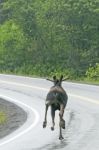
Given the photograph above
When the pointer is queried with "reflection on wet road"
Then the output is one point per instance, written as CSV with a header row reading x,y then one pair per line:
x,y
82,129
56,144
81,115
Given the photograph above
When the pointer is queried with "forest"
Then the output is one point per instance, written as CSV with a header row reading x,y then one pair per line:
x,y
47,37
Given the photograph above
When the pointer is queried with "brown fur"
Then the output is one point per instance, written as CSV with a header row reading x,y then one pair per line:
x,y
57,100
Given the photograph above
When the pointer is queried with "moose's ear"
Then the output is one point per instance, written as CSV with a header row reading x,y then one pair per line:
x,y
61,77
54,77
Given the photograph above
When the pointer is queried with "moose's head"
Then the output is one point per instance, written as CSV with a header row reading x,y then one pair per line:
x,y
56,81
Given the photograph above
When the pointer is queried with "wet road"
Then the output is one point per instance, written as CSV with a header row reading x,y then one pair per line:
x,y
81,115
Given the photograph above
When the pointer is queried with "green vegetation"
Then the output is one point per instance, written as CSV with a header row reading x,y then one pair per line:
x,y
3,117
46,37
93,72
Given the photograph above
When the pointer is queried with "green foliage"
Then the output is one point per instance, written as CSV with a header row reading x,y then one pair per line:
x,y
46,37
93,72
10,36
11,45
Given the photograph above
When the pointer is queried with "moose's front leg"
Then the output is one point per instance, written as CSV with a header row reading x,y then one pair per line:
x,y
45,119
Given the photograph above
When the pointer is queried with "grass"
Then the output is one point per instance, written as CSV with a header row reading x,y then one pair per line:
x,y
3,117
87,81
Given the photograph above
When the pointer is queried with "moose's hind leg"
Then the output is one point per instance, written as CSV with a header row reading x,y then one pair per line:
x,y
60,134
61,113
62,123
53,117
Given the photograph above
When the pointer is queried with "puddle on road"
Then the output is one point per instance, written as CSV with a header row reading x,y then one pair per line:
x,y
67,133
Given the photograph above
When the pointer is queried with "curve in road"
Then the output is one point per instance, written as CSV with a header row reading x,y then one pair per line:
x,y
23,105
82,115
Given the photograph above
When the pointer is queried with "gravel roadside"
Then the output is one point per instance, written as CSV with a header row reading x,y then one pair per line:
x,y
13,117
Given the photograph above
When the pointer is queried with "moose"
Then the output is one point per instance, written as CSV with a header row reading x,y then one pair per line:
x,y
57,100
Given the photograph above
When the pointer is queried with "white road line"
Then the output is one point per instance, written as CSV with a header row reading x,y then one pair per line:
x,y
33,110
24,85
46,89
29,128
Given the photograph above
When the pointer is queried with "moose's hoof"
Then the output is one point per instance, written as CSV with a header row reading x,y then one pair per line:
x,y
61,138
44,124
52,128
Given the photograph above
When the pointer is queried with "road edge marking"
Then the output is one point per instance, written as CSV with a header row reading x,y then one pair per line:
x,y
46,89
25,131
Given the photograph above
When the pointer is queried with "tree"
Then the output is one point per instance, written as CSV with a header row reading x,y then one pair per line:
x,y
11,45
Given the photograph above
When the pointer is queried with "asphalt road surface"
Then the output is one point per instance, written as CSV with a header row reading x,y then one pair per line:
x,y
81,115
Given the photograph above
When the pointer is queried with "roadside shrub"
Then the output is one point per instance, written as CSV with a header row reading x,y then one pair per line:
x,y
93,72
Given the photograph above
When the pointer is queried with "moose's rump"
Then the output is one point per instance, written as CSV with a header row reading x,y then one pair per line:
x,y
56,98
